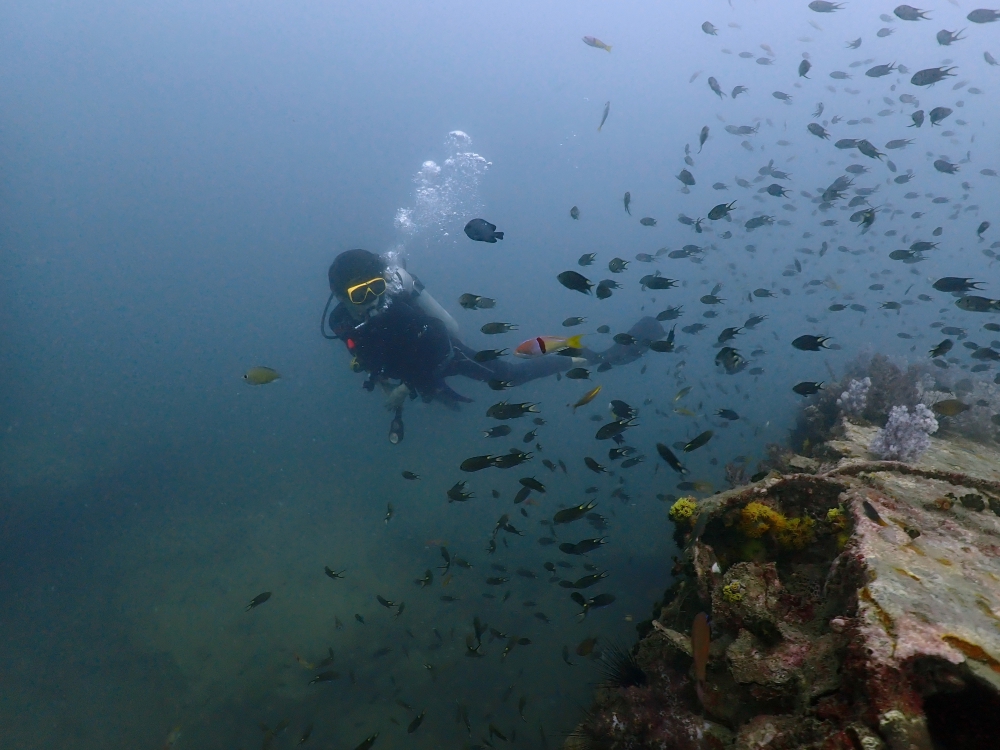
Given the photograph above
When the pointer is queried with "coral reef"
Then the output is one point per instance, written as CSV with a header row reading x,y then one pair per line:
x,y
905,435
682,511
888,386
854,400
981,421
757,519
857,606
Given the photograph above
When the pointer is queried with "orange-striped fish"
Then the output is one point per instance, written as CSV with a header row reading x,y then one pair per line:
x,y
541,345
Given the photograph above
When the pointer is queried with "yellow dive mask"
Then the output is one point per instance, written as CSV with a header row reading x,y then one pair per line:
x,y
359,293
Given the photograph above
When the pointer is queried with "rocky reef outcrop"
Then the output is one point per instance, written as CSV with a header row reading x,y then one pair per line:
x,y
854,605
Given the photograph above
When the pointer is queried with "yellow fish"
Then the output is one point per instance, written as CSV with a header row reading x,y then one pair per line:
x,y
587,397
595,42
261,375
172,738
950,407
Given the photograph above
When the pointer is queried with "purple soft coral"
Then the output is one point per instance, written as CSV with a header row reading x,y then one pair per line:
x,y
904,436
854,400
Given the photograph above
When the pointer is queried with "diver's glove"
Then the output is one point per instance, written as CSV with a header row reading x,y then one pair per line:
x,y
396,397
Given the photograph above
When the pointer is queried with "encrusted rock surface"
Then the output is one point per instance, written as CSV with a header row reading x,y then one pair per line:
x,y
856,606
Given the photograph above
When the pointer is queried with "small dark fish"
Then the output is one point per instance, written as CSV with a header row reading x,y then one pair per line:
x,y
368,742
872,513
491,329
481,230
930,76
727,414
698,441
328,676
475,302
721,211
574,213
806,388
617,265
306,735
938,114
494,732
653,281
457,493
975,303
909,13
384,651
258,600
415,724
568,515
488,355
601,600
667,455
594,466
589,580
582,547
611,429
575,281
532,483
498,431
505,411
330,573
956,284
512,459
984,15
427,580
943,348
880,70
810,343
477,463
647,221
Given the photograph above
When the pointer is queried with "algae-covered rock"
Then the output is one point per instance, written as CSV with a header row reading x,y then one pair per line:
x,y
866,614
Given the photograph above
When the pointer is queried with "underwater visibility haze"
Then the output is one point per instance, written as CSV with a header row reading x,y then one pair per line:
x,y
207,538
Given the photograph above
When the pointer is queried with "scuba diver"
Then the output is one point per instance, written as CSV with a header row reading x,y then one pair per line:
x,y
408,344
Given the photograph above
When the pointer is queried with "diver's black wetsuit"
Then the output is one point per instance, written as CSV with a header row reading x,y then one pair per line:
x,y
402,342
